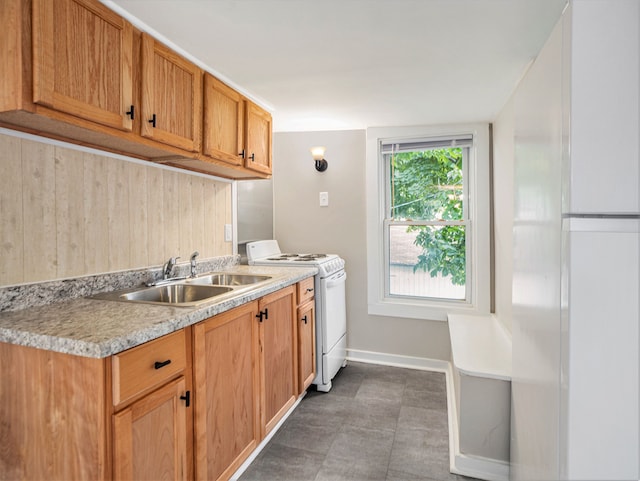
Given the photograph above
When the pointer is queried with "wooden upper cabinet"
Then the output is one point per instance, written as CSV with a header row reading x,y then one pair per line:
x,y
171,97
258,138
223,135
82,61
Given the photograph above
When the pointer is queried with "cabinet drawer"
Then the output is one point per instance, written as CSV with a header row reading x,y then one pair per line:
x,y
305,290
147,366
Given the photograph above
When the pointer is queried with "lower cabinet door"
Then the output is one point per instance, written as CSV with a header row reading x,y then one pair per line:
x,y
306,346
279,355
150,436
227,391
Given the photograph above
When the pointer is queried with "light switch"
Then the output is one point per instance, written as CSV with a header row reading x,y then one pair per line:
x,y
324,199
228,233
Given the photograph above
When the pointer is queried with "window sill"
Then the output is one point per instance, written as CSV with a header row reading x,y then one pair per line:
x,y
433,311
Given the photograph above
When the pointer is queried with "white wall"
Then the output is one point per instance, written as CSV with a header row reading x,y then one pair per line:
x,y
503,152
301,225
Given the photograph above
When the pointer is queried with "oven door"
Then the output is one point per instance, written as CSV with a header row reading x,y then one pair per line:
x,y
333,314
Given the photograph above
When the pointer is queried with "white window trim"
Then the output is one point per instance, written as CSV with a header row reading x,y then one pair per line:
x,y
478,185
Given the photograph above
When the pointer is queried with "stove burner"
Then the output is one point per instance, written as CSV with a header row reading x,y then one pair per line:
x,y
297,257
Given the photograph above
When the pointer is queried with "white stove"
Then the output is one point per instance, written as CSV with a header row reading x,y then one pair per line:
x,y
267,252
330,300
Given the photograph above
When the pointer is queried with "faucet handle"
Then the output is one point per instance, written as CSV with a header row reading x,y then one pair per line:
x,y
194,271
168,267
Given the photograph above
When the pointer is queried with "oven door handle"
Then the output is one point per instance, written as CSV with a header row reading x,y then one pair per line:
x,y
336,279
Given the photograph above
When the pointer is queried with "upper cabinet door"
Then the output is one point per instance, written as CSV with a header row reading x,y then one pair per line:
x,y
171,97
82,61
223,122
258,139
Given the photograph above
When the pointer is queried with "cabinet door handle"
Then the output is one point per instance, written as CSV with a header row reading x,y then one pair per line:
x,y
241,154
259,316
186,398
309,289
304,319
153,121
253,157
162,364
130,113
266,313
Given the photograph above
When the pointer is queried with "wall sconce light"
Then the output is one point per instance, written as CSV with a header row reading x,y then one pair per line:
x,y
318,156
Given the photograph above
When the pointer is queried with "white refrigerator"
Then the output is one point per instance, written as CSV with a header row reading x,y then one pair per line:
x,y
576,271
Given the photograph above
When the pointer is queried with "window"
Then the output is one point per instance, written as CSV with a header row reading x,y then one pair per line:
x,y
427,198
426,219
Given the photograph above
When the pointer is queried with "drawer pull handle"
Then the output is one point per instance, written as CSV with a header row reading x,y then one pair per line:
x,y
186,398
162,364
309,289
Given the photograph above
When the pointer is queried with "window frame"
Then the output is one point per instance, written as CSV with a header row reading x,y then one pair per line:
x,y
477,232
465,221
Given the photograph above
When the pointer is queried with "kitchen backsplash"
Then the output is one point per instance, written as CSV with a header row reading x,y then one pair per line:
x,y
67,213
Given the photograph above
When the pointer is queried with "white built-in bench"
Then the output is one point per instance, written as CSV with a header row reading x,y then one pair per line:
x,y
481,404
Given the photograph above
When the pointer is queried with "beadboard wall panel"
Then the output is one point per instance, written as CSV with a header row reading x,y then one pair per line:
x,y
66,213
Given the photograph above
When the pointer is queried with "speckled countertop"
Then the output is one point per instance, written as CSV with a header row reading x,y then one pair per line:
x,y
99,328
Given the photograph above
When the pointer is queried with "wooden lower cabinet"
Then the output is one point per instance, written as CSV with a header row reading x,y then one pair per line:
x,y
278,353
53,416
226,386
150,436
208,393
306,345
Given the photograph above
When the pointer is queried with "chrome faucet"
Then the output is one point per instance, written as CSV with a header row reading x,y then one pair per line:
x,y
193,263
168,267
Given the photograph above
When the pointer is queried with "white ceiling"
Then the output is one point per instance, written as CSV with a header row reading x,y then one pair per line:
x,y
352,64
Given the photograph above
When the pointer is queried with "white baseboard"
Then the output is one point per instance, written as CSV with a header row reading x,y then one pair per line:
x,y
396,360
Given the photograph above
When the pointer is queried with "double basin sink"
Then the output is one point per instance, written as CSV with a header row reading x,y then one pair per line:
x,y
188,292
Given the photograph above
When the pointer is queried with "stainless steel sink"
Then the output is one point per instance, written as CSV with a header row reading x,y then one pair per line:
x,y
224,279
188,292
176,293
184,295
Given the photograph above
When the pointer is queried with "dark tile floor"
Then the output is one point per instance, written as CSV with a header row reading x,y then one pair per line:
x,y
376,423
